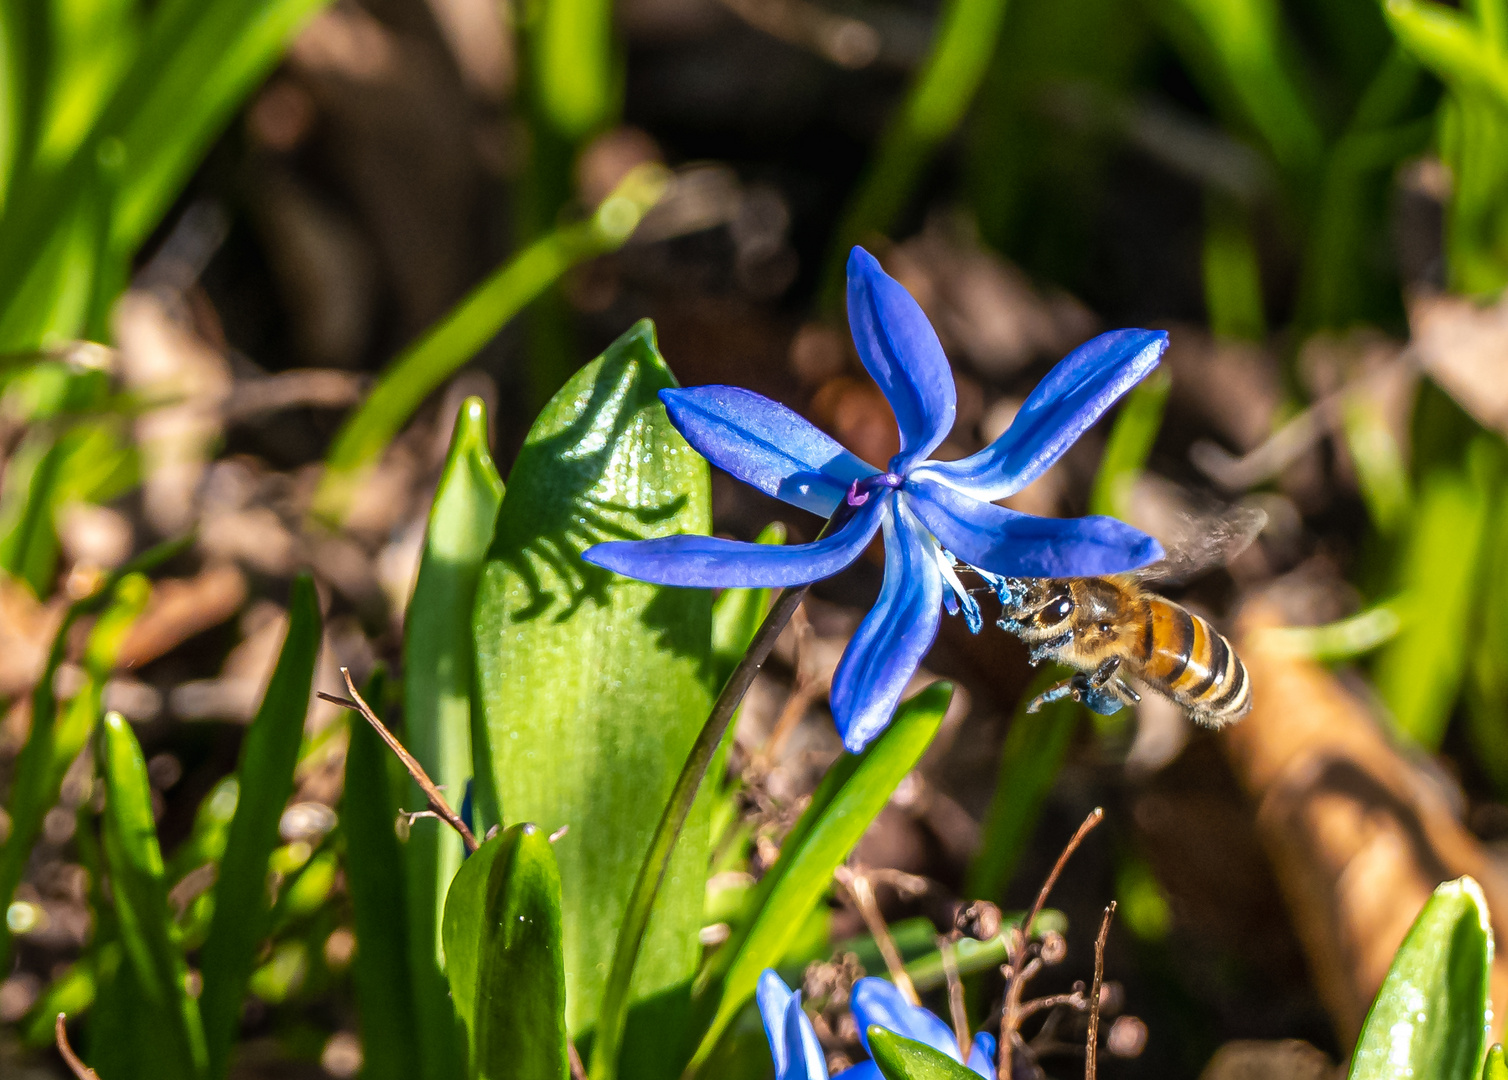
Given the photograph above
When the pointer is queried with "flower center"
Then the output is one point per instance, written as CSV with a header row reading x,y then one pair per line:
x,y
860,490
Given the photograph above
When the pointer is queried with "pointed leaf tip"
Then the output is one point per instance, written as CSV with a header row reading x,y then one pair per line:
x,y
900,1058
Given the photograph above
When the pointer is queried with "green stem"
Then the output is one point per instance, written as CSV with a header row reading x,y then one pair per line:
x,y
613,1015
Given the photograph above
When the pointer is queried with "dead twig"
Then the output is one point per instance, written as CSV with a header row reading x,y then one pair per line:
x,y
1092,1047
1017,975
862,891
956,1011
578,1070
75,1064
431,792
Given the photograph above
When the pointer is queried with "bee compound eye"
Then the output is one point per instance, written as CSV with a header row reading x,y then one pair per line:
x,y
1062,609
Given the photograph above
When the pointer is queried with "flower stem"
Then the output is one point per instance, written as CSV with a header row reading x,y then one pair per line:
x,y
615,1000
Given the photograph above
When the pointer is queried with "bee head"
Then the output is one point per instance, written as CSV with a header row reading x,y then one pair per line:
x,y
1036,608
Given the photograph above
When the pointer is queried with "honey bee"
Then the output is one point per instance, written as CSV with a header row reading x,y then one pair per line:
x,y
1114,629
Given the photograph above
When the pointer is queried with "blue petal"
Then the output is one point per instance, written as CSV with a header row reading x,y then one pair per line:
x,y
710,563
1022,545
982,1055
804,1059
774,998
893,637
764,444
900,349
1074,395
864,1070
875,1002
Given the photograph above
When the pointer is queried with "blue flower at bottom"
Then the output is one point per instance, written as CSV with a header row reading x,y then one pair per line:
x,y
933,515
798,1055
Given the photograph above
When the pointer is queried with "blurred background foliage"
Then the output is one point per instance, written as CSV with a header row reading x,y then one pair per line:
x,y
281,279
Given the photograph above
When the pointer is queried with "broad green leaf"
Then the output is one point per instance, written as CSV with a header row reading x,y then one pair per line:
x,y
266,778
1496,1065
1035,747
45,757
1433,1013
71,992
854,791
146,926
437,670
900,1058
1130,444
502,933
1419,673
375,879
593,687
421,368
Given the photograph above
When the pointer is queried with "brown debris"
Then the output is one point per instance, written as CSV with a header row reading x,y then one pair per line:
x,y
1357,834
181,608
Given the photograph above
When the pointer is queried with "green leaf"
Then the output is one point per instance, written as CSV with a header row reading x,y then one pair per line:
x,y
135,864
437,668
1129,445
502,934
197,64
54,741
737,613
266,777
28,544
1433,1013
423,366
1419,673
900,1058
1448,42
1035,747
1496,1066
375,876
850,797
593,687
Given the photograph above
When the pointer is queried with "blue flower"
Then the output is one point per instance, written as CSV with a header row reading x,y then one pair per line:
x,y
798,1055
932,514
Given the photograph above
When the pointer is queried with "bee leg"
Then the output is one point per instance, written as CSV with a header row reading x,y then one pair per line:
x,y
1045,649
1064,689
1125,693
1105,672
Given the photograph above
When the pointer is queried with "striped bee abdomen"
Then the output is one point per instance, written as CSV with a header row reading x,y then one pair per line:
x,y
1191,662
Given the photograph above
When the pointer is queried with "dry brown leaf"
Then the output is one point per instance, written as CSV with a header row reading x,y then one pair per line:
x,y
1358,835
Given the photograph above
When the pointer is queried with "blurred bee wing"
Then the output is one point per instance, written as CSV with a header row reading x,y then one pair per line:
x,y
1205,542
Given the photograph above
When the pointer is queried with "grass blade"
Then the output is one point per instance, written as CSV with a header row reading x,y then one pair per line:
x,y
374,874
933,109
849,798
1419,673
422,367
136,878
1033,753
1129,445
39,774
266,778
437,667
